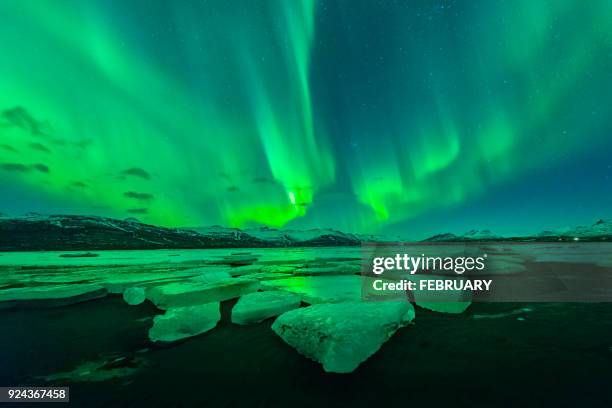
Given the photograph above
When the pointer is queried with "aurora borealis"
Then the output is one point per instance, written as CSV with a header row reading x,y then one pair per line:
x,y
392,116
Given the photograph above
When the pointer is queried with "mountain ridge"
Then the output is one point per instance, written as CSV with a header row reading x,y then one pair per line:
x,y
36,232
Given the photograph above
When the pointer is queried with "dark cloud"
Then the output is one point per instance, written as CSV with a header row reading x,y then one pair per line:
x,y
79,184
8,148
15,167
21,118
41,167
233,189
138,196
22,168
138,211
136,172
40,147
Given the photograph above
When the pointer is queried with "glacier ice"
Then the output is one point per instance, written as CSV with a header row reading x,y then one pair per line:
x,y
196,292
119,282
443,301
183,322
341,336
50,295
258,306
212,276
134,296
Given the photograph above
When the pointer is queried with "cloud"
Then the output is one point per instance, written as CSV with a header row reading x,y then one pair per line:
x,y
79,184
41,167
136,172
8,148
15,167
138,196
22,168
40,147
138,211
21,118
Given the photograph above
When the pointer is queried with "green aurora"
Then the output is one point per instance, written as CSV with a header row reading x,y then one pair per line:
x,y
359,115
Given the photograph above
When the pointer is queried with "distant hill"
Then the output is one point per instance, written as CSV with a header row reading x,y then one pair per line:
x,y
473,235
599,231
74,232
287,238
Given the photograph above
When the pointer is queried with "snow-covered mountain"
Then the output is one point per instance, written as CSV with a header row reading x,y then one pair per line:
x,y
599,231
36,232
472,235
76,232
311,237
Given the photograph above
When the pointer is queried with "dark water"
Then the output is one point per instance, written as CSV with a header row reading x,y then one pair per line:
x,y
554,355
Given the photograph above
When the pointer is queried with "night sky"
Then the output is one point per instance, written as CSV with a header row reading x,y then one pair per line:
x,y
405,117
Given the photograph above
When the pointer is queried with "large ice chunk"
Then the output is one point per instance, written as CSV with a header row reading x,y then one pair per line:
x,y
443,301
182,322
197,292
213,276
49,295
341,336
255,307
134,296
119,282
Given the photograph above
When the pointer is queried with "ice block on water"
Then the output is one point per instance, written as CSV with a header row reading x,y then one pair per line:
x,y
255,307
196,292
49,295
444,301
182,322
341,336
134,296
212,276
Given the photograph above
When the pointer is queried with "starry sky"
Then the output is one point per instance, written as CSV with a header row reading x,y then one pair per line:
x,y
407,117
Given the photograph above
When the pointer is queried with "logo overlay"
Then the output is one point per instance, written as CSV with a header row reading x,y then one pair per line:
x,y
487,272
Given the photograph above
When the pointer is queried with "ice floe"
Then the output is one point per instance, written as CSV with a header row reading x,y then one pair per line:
x,y
258,306
341,336
49,295
183,322
134,296
196,292
443,301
